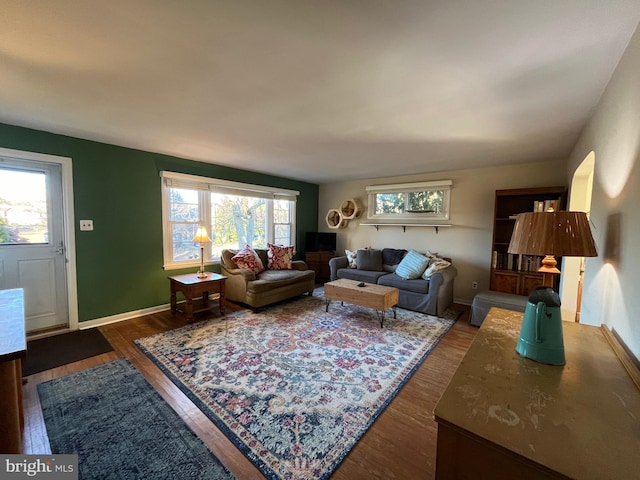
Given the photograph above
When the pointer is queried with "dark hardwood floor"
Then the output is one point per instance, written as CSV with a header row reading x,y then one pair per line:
x,y
401,444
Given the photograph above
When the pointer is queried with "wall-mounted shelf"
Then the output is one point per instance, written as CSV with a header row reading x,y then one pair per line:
x,y
405,225
335,219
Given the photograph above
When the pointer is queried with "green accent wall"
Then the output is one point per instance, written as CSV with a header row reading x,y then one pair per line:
x,y
119,263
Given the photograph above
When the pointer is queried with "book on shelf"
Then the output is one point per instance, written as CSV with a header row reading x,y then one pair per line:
x,y
515,262
545,205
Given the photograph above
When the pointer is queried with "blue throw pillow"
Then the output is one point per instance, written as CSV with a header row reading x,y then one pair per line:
x,y
412,265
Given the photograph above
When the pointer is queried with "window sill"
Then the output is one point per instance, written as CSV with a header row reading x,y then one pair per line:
x,y
182,266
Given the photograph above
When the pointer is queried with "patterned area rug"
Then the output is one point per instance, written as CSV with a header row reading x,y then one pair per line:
x,y
121,428
452,314
294,387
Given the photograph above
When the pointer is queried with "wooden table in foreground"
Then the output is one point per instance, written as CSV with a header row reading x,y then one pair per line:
x,y
191,286
378,297
506,416
13,348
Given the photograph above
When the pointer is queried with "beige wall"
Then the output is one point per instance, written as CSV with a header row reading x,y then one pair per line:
x,y
468,242
612,279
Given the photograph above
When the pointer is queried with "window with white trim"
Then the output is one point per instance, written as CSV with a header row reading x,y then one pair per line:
x,y
410,201
234,214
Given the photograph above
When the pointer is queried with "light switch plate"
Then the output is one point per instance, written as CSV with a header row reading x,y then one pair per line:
x,y
86,225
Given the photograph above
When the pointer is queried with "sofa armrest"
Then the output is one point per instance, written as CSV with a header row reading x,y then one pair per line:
x,y
335,264
299,265
246,274
441,286
236,283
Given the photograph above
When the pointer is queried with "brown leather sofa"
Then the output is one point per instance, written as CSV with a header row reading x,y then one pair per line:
x,y
268,286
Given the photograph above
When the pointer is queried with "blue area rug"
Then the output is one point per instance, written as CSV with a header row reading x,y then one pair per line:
x,y
295,387
121,428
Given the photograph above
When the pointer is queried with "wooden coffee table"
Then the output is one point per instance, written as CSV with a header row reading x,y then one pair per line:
x,y
191,286
378,297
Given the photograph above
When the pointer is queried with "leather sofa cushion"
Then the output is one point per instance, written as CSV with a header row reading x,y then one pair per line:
x,y
417,285
270,279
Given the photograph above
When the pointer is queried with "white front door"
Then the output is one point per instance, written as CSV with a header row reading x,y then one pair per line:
x,y
32,240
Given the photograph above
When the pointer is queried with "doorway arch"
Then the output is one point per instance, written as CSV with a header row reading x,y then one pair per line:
x,y
573,267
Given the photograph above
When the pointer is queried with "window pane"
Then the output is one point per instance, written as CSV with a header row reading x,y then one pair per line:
x,y
23,207
183,246
184,205
389,203
237,221
420,202
282,234
282,219
427,202
281,211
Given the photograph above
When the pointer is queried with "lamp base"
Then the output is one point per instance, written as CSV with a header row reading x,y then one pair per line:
x,y
201,273
548,270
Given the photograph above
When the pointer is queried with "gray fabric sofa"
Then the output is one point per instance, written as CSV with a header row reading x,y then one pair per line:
x,y
432,296
267,287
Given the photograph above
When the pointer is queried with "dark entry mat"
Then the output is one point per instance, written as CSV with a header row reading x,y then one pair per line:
x,y
46,353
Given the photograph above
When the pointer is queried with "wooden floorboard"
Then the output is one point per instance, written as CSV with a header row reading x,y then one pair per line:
x,y
401,444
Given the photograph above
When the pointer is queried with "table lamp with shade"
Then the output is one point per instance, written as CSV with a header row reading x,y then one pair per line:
x,y
201,237
548,234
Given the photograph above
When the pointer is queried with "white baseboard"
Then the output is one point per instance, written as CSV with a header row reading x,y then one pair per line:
x,y
462,301
122,316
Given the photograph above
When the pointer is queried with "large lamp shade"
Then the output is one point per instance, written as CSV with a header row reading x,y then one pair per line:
x,y
201,235
565,234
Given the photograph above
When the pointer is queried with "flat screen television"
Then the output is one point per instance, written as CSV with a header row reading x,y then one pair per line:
x,y
320,242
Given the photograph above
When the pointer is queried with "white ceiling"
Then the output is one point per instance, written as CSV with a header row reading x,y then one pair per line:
x,y
315,90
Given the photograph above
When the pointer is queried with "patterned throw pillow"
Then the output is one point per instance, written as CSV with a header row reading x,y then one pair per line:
x,y
430,255
435,265
279,257
248,258
412,265
351,258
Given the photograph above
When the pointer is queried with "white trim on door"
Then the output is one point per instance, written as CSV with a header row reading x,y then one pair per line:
x,y
69,219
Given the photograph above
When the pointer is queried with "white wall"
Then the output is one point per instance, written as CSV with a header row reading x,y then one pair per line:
x,y
612,279
468,242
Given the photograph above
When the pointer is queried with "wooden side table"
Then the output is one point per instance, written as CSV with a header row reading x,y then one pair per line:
x,y
13,347
191,286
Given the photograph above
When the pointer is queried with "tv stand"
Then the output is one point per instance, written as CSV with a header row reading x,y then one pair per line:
x,y
319,263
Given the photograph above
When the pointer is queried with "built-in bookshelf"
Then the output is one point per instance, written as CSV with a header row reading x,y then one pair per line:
x,y
515,262
513,273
